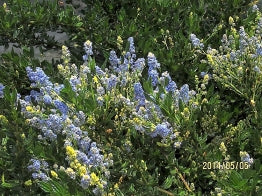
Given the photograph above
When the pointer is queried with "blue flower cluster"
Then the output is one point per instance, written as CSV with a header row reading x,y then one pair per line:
x,y
114,61
153,65
2,87
62,107
74,82
166,79
243,40
196,42
127,72
184,93
162,130
111,82
88,49
139,94
228,63
118,86
38,77
245,157
39,169
48,112
131,45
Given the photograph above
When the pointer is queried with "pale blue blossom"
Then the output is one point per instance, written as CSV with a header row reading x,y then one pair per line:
x,y
88,49
62,107
139,94
153,75
162,130
184,93
112,82
131,45
2,87
256,69
47,99
195,41
171,87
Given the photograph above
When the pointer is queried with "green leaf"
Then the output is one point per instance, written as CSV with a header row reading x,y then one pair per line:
x,y
3,178
54,187
79,24
59,188
168,182
92,64
173,172
162,145
237,180
68,93
148,87
9,185
45,186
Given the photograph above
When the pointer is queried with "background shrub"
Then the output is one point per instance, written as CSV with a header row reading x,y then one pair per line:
x,y
212,123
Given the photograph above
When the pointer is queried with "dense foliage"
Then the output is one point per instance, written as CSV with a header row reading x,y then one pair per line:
x,y
104,120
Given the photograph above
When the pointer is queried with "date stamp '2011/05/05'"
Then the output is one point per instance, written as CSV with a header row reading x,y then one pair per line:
x,y
226,165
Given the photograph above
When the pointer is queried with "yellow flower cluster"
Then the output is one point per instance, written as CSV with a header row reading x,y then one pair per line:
x,y
54,174
95,180
123,112
234,32
81,169
35,110
243,153
68,121
137,121
210,59
91,120
88,42
70,151
64,70
75,164
3,119
186,113
119,43
116,186
252,102
5,7
23,136
240,70
70,172
223,148
95,79
28,183
206,78
65,54
231,21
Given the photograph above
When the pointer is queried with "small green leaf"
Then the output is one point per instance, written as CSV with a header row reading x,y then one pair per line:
x,y
168,182
8,185
79,24
45,186
235,177
173,172
3,178
162,145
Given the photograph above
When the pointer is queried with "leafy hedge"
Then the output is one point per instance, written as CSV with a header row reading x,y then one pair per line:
x,y
110,122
